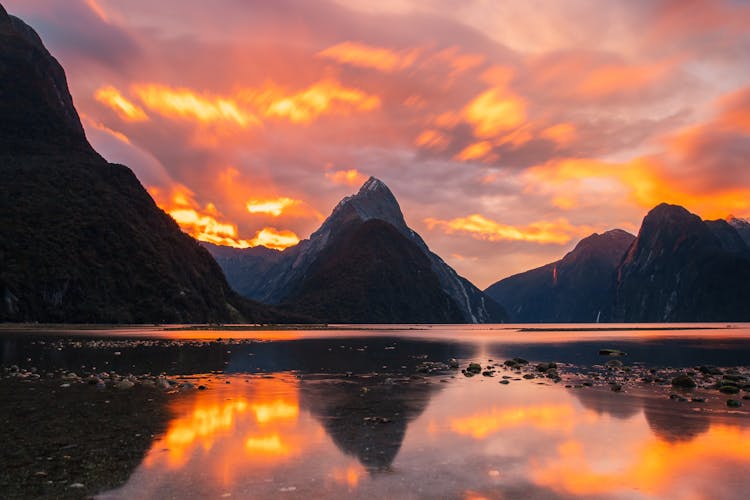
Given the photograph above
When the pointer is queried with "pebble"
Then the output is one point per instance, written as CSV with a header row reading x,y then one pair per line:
x,y
683,381
124,385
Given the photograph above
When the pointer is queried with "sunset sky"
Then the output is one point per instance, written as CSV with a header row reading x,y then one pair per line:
x,y
507,129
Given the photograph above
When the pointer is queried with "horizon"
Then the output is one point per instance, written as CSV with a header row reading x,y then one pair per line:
x,y
248,124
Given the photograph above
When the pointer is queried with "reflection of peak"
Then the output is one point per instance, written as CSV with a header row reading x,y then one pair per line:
x,y
365,417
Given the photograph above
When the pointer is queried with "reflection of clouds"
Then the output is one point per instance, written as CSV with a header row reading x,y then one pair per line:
x,y
484,424
651,466
236,427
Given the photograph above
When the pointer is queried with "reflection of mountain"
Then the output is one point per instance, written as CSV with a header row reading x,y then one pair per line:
x,y
608,403
674,424
366,417
667,420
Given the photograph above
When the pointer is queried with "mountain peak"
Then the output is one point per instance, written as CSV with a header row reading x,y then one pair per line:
x,y
373,201
373,184
669,213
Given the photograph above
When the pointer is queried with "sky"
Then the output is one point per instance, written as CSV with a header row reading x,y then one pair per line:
x,y
508,130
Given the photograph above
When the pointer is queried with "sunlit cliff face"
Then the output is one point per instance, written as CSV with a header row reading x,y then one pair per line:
x,y
507,130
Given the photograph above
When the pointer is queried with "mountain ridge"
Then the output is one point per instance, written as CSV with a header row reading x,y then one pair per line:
x,y
574,289
274,278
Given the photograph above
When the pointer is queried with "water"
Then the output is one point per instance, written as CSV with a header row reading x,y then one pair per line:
x,y
359,414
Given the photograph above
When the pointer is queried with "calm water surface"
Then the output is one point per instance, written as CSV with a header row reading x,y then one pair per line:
x,y
353,414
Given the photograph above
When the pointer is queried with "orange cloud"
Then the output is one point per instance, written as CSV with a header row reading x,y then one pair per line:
x,y
495,111
432,139
458,61
273,207
562,134
125,109
479,227
325,96
186,103
203,223
367,56
645,181
612,79
585,76
735,111
475,151
351,177
273,238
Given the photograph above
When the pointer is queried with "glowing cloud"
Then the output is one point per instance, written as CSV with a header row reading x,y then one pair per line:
x,y
324,96
644,181
185,103
475,151
273,238
432,139
367,56
203,224
479,227
351,177
125,109
271,207
495,111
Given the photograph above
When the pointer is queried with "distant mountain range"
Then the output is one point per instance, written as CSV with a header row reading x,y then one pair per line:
x,y
679,269
80,239
363,265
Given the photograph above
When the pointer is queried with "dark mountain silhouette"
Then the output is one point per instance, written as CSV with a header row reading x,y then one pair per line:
x,y
81,240
681,268
364,264
579,288
370,273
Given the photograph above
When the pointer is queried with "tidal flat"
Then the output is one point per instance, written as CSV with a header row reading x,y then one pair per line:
x,y
406,411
